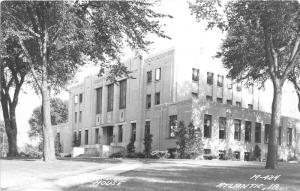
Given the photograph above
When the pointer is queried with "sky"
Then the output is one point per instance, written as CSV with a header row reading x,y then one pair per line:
x,y
185,32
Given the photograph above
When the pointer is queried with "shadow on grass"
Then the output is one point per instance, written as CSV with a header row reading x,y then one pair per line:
x,y
95,160
20,158
177,178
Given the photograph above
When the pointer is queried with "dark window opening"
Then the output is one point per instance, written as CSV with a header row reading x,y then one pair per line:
x,y
222,127
195,76
248,126
257,132
207,126
123,89
210,78
157,98
172,126
237,129
148,101
110,97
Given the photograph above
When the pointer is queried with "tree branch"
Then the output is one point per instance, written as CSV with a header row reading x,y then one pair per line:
x,y
25,26
292,58
30,63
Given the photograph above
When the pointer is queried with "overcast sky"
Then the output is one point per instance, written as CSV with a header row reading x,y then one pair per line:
x,y
183,29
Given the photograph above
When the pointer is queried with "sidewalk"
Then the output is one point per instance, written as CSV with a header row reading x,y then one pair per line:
x,y
57,181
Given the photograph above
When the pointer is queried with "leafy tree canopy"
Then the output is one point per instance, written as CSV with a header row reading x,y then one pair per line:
x,y
78,32
59,114
262,36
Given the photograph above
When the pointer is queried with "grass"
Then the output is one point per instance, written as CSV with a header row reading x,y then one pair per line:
x,y
199,175
175,175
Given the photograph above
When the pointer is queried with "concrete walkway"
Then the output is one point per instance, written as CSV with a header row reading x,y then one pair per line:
x,y
56,182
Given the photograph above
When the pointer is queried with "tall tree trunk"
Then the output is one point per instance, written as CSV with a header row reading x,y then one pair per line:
x,y
10,126
49,148
298,94
275,124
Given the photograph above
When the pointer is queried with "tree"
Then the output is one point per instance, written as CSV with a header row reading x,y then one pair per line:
x,y
194,142
13,72
181,134
58,112
130,146
262,43
147,144
58,36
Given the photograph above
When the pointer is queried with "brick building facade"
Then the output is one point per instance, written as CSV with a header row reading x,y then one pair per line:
x,y
104,116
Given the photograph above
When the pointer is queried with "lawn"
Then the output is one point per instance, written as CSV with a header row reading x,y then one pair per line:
x,y
202,175
145,175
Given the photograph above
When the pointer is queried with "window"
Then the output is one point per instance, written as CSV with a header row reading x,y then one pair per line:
x,y
79,138
237,129
238,87
133,131
147,128
172,125
229,102
236,155
210,78
195,95
74,139
120,134
222,127
220,80
289,136
267,132
219,100
76,99
110,97
195,76
257,132
229,84
98,100
238,104
157,98
279,135
80,98
149,76
123,87
222,154
250,89
157,74
75,117
246,156
209,98
207,126
148,101
80,116
207,151
86,137
97,136
248,126
250,106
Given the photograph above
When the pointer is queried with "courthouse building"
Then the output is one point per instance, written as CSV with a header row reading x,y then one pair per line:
x,y
104,116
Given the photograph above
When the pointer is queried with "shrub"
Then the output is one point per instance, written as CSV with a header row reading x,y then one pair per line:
x,y
147,145
130,147
32,151
117,155
172,152
189,141
229,155
181,135
257,152
58,146
160,154
135,155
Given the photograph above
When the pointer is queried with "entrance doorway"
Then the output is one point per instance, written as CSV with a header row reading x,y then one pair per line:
x,y
108,133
